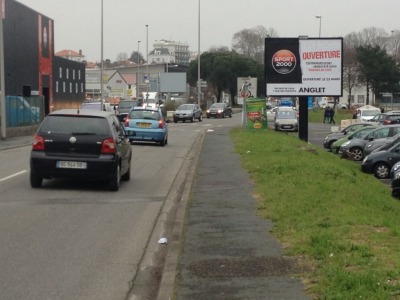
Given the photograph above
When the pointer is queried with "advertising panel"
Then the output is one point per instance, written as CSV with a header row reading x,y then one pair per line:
x,y
256,114
304,67
249,92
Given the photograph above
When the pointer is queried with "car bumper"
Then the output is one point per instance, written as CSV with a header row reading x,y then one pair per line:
x,y
135,134
102,167
367,168
183,118
214,115
286,127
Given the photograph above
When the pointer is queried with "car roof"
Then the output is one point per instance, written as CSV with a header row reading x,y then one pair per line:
x,y
150,108
82,112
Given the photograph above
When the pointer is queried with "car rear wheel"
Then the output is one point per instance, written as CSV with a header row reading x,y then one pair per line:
x,y
127,175
164,141
36,181
357,154
115,179
381,171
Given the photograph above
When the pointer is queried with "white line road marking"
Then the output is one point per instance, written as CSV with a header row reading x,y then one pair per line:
x,y
13,175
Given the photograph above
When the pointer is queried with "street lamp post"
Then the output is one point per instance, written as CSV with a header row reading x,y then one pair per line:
x,y
138,72
102,60
147,63
320,18
198,62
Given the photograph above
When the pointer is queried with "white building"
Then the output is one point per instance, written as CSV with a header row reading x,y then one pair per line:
x,y
170,52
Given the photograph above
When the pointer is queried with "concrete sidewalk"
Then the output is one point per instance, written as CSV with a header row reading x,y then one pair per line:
x,y
15,142
228,252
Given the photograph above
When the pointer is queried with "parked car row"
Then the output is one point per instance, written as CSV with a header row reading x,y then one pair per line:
x,y
377,146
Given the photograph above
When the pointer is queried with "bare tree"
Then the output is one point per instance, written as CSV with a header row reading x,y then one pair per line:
x,y
122,56
394,45
351,74
250,42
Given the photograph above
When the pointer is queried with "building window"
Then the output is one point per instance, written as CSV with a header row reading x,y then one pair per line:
x,y
60,72
79,74
73,74
64,87
81,87
67,73
70,87
360,99
56,86
76,88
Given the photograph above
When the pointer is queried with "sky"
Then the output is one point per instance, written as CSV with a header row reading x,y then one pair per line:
x,y
78,22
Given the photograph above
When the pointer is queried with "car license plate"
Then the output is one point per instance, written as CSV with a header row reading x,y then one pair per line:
x,y
144,125
71,164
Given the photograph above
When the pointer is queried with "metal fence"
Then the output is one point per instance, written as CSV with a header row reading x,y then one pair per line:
x,y
24,111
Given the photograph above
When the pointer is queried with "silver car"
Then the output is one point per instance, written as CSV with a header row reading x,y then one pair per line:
x,y
286,119
190,112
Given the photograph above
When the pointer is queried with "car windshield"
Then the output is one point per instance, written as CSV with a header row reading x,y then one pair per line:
x,y
185,107
144,114
370,113
74,125
286,115
217,105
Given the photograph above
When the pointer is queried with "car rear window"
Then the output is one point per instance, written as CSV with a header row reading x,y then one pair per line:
x,y
75,125
144,114
127,104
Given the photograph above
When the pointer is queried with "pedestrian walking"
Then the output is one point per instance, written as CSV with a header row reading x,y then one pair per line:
x,y
331,116
326,115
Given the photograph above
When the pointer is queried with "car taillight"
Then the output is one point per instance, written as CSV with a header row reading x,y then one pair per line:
x,y
38,143
160,124
126,122
386,122
108,146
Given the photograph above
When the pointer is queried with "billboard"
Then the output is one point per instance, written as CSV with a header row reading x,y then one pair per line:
x,y
249,92
304,67
173,83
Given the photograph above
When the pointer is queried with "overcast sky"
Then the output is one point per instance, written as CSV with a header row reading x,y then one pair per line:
x,y
78,22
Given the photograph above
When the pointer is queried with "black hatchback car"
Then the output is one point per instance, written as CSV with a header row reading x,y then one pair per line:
x,y
81,144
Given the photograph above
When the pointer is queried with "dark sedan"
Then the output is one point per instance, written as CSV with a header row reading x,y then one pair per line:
x,y
380,163
81,144
219,110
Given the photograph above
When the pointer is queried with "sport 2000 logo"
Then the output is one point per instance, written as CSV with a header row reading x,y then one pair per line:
x,y
284,61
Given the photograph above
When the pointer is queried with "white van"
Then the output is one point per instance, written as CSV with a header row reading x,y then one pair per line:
x,y
367,112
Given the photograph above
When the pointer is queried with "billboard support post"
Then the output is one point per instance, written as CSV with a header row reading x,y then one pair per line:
x,y
303,118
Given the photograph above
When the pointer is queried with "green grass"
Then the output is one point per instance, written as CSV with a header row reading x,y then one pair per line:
x,y
342,223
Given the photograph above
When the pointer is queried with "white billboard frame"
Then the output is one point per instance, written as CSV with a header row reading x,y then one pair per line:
x,y
316,65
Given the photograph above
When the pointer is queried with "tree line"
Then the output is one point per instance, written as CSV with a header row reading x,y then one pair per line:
x,y
370,59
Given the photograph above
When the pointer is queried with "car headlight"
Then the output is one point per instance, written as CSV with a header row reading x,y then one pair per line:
x,y
278,123
208,111
365,159
368,146
346,143
395,167
396,175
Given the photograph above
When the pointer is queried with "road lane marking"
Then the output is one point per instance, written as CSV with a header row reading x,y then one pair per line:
x,y
13,175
